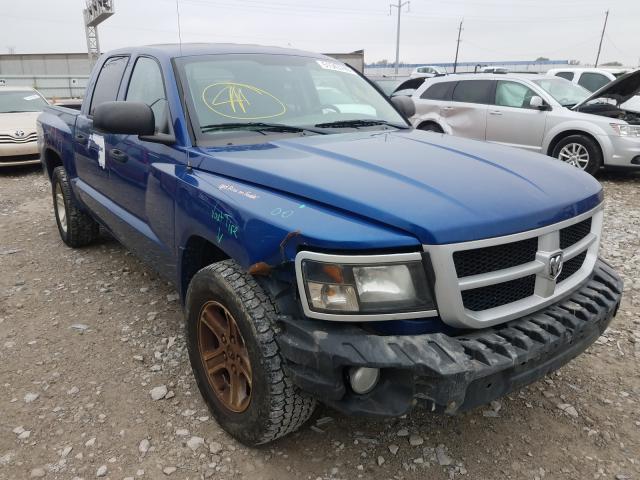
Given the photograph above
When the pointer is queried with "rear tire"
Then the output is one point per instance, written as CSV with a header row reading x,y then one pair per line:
x,y
231,330
430,127
579,151
76,228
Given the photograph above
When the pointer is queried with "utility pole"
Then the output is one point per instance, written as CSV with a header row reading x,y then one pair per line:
x,y
399,6
606,16
455,63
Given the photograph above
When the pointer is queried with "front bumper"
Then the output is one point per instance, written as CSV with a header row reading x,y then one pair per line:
x,y
12,154
448,373
621,152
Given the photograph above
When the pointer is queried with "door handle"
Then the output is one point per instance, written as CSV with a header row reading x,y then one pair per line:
x,y
447,108
118,155
495,112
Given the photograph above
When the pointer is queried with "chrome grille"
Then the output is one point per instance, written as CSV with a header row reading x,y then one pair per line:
x,y
574,233
31,137
499,257
493,296
486,282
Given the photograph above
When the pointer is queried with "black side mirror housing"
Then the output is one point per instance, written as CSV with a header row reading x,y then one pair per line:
x,y
128,118
405,105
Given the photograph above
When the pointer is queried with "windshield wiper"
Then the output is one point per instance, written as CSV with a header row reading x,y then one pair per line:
x,y
359,123
258,126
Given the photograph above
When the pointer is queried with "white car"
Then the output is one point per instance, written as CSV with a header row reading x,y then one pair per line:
x,y
19,109
590,78
427,71
540,113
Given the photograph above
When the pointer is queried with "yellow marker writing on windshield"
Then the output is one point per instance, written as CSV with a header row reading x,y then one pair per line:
x,y
235,100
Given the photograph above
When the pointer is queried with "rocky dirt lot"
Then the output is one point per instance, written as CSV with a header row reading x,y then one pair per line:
x,y
87,335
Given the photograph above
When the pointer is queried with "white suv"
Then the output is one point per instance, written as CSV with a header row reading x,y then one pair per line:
x,y
540,113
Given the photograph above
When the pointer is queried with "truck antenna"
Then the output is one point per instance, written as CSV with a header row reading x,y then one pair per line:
x,y
179,30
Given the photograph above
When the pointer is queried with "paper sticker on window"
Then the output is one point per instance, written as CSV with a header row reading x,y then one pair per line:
x,y
241,101
31,97
338,67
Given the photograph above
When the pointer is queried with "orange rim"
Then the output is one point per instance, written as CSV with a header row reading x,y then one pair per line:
x,y
224,357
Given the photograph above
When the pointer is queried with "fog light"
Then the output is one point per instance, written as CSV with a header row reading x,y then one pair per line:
x,y
363,379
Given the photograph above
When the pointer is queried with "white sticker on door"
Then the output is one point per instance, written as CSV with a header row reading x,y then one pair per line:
x,y
99,141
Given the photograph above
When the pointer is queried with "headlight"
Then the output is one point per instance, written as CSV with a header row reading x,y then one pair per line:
x,y
366,288
624,130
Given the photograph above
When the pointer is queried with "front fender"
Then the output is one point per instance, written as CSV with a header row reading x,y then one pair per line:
x,y
253,225
592,129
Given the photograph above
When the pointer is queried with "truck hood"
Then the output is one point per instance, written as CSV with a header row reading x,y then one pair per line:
x,y
621,89
439,188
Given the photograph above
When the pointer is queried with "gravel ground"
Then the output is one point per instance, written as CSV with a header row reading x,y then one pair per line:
x,y
87,335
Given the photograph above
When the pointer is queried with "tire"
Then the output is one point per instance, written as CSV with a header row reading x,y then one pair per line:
x,y
580,151
76,228
430,127
275,405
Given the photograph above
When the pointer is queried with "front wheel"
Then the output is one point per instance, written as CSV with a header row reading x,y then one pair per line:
x,y
579,151
231,328
76,228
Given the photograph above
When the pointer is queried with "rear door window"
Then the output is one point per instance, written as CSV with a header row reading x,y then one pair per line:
x,y
438,91
473,91
567,75
593,81
108,83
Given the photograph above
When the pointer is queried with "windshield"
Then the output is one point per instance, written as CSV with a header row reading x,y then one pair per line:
x,y
231,93
563,91
21,101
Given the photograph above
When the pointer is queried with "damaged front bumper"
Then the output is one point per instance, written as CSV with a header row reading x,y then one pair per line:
x,y
448,373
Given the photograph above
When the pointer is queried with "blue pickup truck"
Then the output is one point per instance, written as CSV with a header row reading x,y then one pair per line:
x,y
324,250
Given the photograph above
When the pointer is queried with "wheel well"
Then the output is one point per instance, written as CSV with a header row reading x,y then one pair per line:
x,y
568,133
431,122
51,160
198,253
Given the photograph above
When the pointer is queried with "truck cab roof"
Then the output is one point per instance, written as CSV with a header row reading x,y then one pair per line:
x,y
175,50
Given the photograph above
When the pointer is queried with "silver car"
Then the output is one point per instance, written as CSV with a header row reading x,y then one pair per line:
x,y
540,113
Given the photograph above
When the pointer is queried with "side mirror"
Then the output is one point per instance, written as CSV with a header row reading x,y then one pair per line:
x,y
537,103
405,105
128,118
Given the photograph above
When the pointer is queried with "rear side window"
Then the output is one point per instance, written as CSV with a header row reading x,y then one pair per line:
x,y
473,91
593,81
567,75
438,91
109,78
146,86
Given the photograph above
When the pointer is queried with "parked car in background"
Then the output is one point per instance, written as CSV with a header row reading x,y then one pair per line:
x,y
19,110
320,255
539,113
388,85
590,78
428,71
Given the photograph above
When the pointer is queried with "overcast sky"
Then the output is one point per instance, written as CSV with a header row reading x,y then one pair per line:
x,y
493,29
